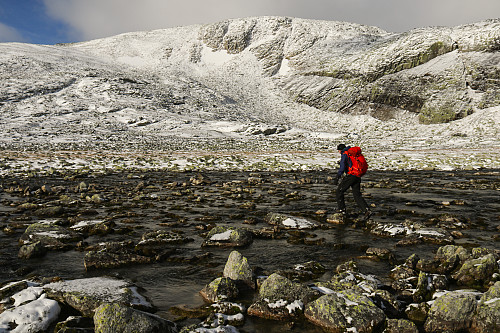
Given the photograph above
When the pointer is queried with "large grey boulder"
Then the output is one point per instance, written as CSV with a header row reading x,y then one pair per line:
x,y
237,268
477,272
220,289
280,298
452,312
85,295
345,311
487,317
114,317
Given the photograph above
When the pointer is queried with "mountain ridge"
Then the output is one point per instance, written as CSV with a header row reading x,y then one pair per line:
x,y
303,82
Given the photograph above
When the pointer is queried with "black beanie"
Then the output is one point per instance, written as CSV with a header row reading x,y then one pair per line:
x,y
341,146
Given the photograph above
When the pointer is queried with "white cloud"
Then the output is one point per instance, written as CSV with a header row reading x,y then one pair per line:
x,y
9,34
90,19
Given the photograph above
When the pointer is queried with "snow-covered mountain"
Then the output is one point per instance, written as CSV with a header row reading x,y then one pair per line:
x,y
236,82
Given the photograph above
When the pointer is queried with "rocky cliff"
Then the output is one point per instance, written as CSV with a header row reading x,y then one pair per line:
x,y
440,73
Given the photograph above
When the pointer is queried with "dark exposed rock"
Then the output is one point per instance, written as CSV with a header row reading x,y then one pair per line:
x,y
32,250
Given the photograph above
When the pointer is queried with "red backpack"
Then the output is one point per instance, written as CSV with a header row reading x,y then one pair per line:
x,y
359,165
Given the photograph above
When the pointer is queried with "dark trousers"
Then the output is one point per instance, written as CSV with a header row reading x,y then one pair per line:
x,y
354,183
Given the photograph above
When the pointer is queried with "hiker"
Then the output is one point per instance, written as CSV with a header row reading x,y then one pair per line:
x,y
354,165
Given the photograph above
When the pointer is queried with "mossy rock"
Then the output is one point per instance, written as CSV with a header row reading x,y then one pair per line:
x,y
220,289
487,317
345,311
114,317
452,312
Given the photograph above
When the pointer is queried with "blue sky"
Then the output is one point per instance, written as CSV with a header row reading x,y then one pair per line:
x,y
60,21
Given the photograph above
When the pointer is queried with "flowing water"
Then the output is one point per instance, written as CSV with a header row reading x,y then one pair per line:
x,y
142,201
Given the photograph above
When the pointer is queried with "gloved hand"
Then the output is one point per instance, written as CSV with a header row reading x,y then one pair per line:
x,y
336,181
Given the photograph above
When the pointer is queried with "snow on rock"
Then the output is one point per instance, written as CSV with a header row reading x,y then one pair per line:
x,y
34,316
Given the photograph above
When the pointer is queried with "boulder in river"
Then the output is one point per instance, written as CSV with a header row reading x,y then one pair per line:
x,y
487,317
280,298
85,295
220,289
345,311
290,222
115,317
228,237
51,235
452,312
477,272
238,269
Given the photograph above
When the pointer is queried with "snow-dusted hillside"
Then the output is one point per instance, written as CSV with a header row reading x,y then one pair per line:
x,y
256,84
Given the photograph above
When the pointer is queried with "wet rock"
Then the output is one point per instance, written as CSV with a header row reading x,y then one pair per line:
x,y
387,302
476,272
487,317
51,235
228,237
85,295
448,252
97,260
304,272
75,325
94,227
32,250
290,222
49,211
336,218
115,317
155,242
220,289
237,268
400,326
384,254
417,312
11,288
345,311
279,298
350,279
452,312
27,206
423,292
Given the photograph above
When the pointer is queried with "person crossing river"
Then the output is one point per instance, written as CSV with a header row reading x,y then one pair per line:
x,y
354,165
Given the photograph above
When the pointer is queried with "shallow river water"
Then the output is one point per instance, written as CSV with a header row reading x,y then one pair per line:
x,y
193,202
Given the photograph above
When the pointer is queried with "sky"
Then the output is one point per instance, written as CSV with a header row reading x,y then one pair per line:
x,y
63,21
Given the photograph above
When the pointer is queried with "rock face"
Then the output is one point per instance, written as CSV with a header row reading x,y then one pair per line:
x,y
440,73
